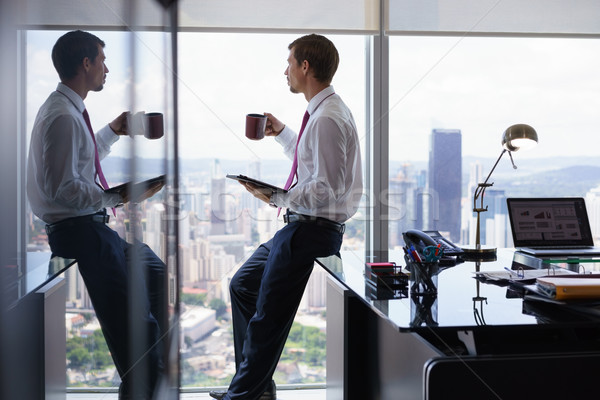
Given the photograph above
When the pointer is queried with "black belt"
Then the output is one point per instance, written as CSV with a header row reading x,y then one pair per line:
x,y
291,216
100,217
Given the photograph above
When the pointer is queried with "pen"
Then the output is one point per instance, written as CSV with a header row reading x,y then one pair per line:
x,y
415,254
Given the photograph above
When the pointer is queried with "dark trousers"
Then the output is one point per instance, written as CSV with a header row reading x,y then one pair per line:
x,y
265,295
125,283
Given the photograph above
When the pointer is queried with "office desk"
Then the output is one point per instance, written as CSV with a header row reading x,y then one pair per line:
x,y
40,269
34,347
476,340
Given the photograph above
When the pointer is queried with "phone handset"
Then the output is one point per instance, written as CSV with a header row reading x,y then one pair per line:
x,y
420,240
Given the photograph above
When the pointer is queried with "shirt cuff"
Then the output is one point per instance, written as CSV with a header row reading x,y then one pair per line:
x,y
111,199
285,136
108,136
278,200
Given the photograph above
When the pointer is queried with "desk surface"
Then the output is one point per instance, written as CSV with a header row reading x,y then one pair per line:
x,y
462,301
41,267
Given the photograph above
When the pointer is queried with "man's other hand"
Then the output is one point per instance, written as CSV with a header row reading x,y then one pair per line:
x,y
260,193
148,192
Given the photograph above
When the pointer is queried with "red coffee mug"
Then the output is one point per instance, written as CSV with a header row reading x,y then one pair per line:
x,y
255,126
154,125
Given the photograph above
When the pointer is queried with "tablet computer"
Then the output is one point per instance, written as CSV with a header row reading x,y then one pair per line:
x,y
256,182
142,185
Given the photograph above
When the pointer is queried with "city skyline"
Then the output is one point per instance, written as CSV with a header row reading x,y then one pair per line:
x,y
209,260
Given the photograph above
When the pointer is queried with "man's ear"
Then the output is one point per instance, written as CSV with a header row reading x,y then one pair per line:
x,y
305,67
86,63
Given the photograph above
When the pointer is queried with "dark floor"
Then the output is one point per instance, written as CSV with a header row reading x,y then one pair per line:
x,y
282,394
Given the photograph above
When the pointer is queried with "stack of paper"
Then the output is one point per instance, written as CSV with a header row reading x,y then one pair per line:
x,y
513,275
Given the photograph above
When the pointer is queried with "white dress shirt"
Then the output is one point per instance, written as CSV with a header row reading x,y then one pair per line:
x,y
330,180
60,170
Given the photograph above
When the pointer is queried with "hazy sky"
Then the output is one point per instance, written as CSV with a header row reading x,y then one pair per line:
x,y
478,85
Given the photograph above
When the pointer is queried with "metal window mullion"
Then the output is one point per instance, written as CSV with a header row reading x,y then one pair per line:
x,y
377,151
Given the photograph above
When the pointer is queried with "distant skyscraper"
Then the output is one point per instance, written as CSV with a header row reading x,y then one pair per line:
x,y
494,228
254,172
592,202
445,176
217,201
420,199
402,210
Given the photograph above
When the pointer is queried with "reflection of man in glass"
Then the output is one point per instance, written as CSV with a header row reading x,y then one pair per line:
x,y
266,291
63,166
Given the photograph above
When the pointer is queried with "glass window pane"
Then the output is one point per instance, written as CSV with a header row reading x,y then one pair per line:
x,y
223,77
475,88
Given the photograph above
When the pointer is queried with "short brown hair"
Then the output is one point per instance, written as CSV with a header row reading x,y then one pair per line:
x,y
321,54
70,50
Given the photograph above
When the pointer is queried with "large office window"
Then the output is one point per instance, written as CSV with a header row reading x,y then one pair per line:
x,y
223,77
451,98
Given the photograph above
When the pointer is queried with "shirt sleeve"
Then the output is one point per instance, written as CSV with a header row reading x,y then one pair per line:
x,y
328,160
287,138
105,138
63,181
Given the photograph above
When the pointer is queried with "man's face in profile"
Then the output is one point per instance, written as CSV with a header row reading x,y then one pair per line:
x,y
293,73
98,71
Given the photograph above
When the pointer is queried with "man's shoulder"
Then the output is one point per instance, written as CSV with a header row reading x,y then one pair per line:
x,y
57,105
336,110
55,112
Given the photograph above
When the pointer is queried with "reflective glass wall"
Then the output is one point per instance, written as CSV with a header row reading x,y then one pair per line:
x,y
138,81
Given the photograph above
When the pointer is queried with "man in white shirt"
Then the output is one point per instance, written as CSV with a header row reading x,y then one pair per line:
x,y
63,165
267,289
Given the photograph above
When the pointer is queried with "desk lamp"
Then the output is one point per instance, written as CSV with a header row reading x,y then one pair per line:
x,y
515,137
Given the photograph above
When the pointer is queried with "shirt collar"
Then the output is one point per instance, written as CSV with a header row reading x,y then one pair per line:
x,y
316,101
71,95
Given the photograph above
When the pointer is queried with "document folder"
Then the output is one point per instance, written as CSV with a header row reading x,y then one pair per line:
x,y
570,287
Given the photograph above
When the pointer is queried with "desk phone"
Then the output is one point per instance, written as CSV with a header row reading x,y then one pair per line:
x,y
420,240
450,249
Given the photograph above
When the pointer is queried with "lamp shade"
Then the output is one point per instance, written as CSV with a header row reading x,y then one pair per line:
x,y
519,136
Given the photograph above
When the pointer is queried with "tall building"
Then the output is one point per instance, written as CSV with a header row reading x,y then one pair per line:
x,y
592,202
420,199
401,208
494,223
495,228
250,202
445,177
217,201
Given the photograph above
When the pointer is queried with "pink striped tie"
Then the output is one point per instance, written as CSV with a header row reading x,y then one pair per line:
x,y
294,171
103,182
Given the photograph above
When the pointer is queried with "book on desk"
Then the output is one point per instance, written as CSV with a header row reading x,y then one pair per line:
x,y
570,287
